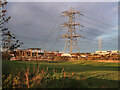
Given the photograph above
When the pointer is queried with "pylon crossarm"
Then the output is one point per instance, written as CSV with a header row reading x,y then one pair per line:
x,y
71,35
70,24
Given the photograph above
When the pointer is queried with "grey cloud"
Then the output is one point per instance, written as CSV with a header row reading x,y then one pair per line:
x,y
33,22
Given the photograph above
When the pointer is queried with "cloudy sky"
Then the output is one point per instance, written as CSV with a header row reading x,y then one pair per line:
x,y
37,24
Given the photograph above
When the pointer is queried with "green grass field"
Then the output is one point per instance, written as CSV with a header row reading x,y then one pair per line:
x,y
96,74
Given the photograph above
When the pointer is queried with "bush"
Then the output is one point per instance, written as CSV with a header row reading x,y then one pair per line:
x,y
59,58
65,58
43,79
6,56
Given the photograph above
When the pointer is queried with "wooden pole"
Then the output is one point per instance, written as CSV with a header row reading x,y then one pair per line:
x,y
37,53
24,53
28,54
19,54
34,54
31,54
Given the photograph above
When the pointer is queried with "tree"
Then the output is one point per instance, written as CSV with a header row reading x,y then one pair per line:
x,y
9,41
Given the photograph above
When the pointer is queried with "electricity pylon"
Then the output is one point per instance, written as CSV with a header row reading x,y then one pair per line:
x,y
100,43
71,36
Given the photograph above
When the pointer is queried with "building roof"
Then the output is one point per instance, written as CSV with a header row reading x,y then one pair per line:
x,y
35,48
66,54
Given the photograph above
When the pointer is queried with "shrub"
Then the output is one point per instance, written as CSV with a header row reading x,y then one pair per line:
x,y
59,58
6,56
43,79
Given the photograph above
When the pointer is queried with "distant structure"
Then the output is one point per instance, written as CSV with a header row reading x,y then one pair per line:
x,y
100,43
71,36
107,52
26,54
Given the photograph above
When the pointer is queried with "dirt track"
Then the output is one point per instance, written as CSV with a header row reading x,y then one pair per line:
x,y
111,61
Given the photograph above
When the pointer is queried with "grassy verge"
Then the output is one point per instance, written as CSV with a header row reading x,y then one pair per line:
x,y
81,74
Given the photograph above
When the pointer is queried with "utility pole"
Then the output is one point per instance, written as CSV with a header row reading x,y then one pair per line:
x,y
71,36
100,43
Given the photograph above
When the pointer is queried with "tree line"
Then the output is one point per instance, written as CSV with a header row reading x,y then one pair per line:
x,y
9,42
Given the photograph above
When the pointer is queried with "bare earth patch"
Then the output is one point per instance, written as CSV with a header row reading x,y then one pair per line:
x,y
110,61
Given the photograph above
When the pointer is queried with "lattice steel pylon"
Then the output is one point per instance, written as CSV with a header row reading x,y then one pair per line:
x,y
100,43
71,36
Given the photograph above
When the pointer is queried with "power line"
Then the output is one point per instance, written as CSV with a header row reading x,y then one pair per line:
x,y
98,31
97,20
95,42
50,34
92,39
92,35
95,24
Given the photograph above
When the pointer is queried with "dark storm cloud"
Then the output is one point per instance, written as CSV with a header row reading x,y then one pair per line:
x,y
35,23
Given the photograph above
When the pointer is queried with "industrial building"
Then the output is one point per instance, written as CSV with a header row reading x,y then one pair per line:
x,y
107,52
27,54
